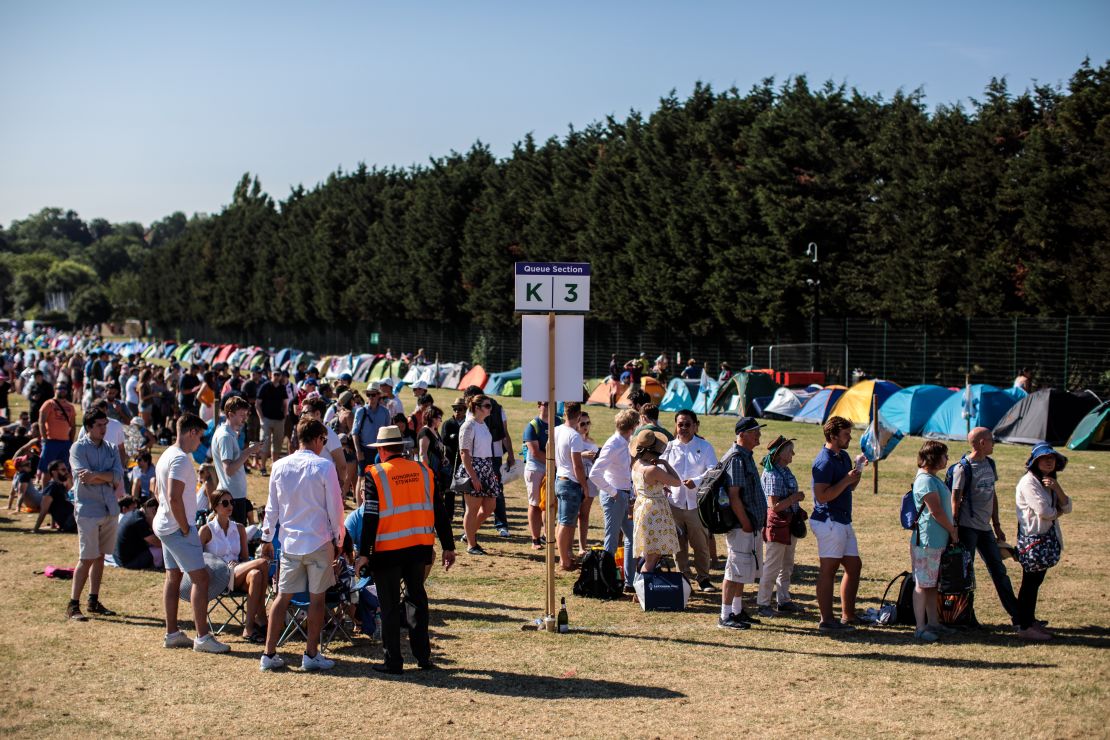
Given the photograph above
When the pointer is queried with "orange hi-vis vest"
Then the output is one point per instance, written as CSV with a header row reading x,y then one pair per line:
x,y
405,514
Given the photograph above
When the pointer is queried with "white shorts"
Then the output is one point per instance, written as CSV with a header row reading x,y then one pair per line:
x,y
532,481
834,540
745,556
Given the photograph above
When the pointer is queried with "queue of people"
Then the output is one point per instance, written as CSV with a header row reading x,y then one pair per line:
x,y
403,474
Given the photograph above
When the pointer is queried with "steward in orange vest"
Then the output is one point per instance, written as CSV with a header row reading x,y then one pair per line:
x,y
402,516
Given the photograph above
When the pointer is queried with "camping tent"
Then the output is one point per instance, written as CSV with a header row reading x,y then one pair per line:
x,y
784,405
909,409
453,376
736,394
600,394
1045,416
680,395
512,388
1093,429
855,404
707,391
477,375
988,404
816,409
648,385
497,381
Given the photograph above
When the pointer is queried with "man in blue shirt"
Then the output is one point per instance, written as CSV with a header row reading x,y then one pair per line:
x,y
834,478
97,471
368,420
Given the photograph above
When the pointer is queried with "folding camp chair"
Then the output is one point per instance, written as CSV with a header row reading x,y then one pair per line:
x,y
336,620
228,609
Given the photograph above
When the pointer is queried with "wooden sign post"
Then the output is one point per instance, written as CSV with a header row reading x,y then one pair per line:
x,y
551,368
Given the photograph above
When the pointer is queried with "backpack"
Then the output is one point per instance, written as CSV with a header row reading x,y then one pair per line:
x,y
713,506
910,514
901,610
969,480
599,577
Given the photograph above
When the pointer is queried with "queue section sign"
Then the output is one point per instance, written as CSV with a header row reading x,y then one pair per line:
x,y
553,286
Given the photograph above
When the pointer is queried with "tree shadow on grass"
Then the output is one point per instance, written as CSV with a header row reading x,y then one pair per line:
x,y
889,638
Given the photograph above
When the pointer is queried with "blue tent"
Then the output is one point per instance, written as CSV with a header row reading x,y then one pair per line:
x,y
816,409
707,391
680,395
983,407
497,381
909,409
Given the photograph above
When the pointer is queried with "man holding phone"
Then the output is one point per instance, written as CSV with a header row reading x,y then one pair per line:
x,y
230,459
834,479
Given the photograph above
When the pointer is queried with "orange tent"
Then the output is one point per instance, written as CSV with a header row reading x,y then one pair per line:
x,y
649,385
477,375
600,396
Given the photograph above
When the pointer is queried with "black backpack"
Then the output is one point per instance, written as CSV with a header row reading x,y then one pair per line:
x,y
599,577
904,605
714,510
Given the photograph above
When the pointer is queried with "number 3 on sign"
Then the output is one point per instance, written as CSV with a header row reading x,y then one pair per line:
x,y
572,293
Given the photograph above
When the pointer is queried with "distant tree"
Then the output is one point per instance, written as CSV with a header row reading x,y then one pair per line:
x,y
90,306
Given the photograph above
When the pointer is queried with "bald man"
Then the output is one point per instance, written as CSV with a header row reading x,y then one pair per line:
x,y
976,507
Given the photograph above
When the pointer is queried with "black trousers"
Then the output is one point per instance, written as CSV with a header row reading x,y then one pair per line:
x,y
1027,597
388,579
987,546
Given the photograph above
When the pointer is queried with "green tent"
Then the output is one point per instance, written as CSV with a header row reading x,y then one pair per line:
x,y
1093,429
511,388
736,394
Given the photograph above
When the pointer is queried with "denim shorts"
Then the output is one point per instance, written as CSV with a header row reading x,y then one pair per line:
x,y
569,493
182,551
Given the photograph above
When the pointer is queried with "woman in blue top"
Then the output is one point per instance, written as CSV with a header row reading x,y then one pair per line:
x,y
929,537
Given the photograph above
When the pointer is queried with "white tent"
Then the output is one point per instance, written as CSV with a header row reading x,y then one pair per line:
x,y
784,404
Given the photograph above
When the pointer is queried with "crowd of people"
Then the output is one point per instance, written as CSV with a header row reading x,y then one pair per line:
x,y
323,443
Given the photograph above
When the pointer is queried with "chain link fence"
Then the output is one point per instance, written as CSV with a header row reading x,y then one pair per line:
x,y
1071,352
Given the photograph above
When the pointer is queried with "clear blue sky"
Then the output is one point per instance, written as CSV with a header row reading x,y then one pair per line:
x,y
130,111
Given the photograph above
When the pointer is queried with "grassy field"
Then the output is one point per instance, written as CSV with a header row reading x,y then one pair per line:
x,y
620,672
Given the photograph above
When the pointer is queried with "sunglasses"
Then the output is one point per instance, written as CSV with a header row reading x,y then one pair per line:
x,y
585,423
486,405
683,425
224,502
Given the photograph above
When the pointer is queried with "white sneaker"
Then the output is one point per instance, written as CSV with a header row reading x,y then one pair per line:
x,y
319,663
209,644
271,664
177,640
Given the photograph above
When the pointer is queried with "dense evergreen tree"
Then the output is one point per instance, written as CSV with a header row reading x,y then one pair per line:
x,y
695,217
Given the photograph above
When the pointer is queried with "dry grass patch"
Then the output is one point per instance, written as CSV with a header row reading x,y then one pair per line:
x,y
620,672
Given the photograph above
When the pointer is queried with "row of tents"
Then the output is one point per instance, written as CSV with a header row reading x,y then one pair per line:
x,y
1078,419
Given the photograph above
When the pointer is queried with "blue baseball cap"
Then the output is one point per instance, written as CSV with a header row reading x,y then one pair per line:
x,y
748,424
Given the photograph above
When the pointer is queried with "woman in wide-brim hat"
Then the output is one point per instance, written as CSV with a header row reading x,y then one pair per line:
x,y
783,506
654,534
1040,504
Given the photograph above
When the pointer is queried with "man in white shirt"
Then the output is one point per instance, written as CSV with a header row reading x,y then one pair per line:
x,y
175,525
131,391
570,481
230,459
305,511
612,474
690,456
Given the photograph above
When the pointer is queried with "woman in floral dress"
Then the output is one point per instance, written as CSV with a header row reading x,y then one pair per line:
x,y
654,533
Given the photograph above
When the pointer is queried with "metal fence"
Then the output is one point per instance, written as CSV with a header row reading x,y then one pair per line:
x,y
1071,352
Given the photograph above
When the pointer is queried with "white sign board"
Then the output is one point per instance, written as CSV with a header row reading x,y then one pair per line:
x,y
553,286
569,341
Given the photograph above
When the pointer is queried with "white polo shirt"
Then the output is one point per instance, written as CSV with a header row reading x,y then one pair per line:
x,y
690,461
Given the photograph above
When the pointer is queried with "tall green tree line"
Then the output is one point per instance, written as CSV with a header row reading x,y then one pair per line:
x,y
695,217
